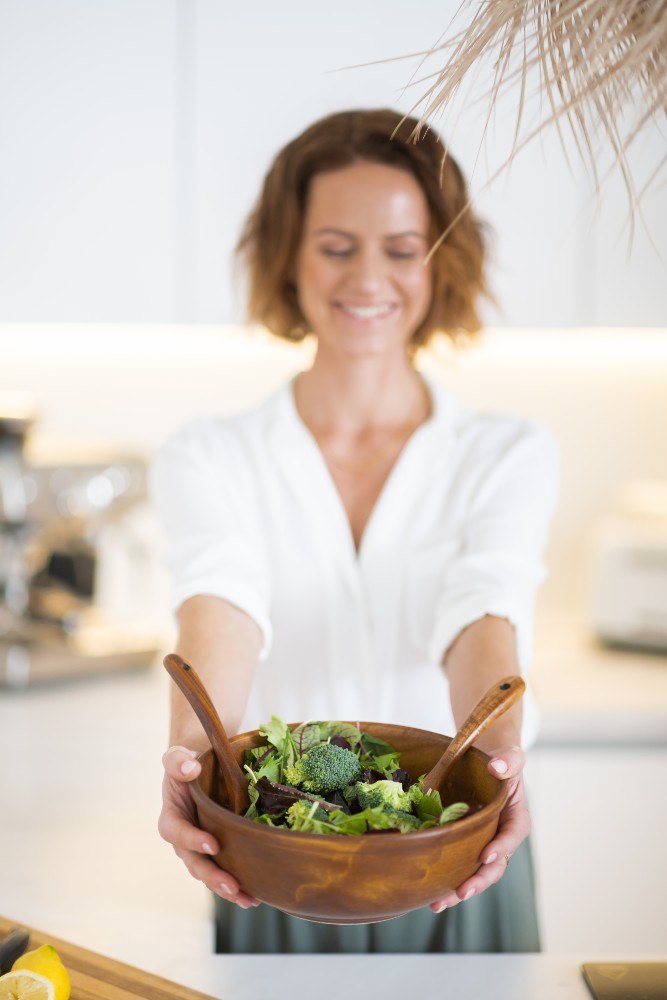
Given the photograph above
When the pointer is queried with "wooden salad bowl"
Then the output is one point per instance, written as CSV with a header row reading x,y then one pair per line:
x,y
356,879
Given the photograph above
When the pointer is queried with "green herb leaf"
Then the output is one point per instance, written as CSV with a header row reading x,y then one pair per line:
x,y
346,730
305,736
352,825
275,731
376,747
278,733
453,812
386,763
429,807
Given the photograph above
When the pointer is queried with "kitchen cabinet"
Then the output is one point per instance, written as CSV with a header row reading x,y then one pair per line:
x,y
87,173
135,136
596,781
599,828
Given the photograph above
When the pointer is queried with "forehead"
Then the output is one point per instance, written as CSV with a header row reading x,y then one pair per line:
x,y
366,195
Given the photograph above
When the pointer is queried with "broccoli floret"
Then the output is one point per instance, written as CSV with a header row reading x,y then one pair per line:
x,y
305,815
324,768
384,793
387,818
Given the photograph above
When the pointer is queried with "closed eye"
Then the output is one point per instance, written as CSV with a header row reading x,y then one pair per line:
x,y
330,252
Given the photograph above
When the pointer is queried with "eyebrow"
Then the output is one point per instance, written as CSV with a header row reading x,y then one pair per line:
x,y
333,231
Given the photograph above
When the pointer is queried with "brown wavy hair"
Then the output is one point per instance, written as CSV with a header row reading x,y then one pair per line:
x,y
271,236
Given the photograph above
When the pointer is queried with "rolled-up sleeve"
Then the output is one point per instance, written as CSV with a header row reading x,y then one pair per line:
x,y
496,570
200,491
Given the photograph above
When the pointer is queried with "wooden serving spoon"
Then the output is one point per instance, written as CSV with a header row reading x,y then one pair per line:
x,y
491,706
188,681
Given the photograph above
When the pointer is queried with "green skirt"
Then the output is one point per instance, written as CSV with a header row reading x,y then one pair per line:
x,y
501,919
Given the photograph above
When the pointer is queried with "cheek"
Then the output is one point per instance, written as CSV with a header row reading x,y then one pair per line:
x,y
313,279
306,282
419,285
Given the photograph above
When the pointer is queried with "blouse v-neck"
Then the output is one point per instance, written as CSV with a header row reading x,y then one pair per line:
x,y
303,462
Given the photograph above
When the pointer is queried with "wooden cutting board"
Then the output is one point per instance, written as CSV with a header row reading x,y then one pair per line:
x,y
95,977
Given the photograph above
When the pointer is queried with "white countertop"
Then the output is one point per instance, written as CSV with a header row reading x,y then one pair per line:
x,y
590,693
391,977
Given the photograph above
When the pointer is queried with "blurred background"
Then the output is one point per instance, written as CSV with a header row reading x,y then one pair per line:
x,y
135,135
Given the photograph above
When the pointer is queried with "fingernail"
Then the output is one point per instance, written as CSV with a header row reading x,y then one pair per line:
x,y
225,888
440,908
206,848
491,858
469,893
188,766
499,765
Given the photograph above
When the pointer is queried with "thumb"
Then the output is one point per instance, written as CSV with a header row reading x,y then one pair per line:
x,y
506,762
181,763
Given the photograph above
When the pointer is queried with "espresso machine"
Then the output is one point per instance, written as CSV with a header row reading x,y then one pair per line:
x,y
59,509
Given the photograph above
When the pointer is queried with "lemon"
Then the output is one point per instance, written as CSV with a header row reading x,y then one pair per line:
x,y
45,964
26,985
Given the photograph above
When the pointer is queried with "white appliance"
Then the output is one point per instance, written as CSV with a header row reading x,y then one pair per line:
x,y
629,577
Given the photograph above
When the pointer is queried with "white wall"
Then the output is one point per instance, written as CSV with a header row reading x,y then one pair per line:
x,y
87,168
135,134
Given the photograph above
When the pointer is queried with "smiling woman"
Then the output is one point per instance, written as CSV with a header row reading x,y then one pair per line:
x,y
362,545
273,233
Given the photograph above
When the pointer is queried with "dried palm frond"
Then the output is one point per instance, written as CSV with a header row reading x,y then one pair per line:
x,y
600,65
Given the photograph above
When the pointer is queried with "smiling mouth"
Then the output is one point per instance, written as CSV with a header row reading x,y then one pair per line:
x,y
366,312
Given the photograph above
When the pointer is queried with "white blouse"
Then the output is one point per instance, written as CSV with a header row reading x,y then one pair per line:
x,y
250,513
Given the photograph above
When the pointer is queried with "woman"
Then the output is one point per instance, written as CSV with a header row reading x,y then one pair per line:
x,y
362,545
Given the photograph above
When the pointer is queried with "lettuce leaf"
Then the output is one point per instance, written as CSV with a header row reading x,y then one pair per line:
x,y
278,733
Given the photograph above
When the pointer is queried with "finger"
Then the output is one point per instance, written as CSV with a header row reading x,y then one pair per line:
x,y
181,763
513,829
484,878
507,762
216,880
177,830
446,903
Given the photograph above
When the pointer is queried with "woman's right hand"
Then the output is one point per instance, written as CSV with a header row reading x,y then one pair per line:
x,y
176,825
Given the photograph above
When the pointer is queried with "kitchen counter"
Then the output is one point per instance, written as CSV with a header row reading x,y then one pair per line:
x,y
390,977
593,694
80,775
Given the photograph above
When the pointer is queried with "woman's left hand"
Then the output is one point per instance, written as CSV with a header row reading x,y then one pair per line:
x,y
513,827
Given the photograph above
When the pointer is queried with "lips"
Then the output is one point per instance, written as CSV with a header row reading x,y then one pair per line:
x,y
368,311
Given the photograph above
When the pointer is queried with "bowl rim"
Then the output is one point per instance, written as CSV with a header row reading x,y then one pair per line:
x,y
450,830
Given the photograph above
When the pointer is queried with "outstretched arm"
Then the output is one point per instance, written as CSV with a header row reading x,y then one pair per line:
x,y
222,643
482,654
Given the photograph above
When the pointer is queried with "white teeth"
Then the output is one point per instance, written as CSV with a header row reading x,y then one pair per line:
x,y
367,312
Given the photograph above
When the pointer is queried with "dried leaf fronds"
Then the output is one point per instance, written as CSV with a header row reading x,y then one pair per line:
x,y
600,67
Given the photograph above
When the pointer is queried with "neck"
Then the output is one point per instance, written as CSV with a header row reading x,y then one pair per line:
x,y
361,424
360,397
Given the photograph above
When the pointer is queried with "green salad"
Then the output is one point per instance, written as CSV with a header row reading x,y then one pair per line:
x,y
332,778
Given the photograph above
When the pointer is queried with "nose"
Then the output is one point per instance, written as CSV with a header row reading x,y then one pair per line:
x,y
368,270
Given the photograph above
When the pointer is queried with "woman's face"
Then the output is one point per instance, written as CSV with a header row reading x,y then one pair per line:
x,y
361,280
